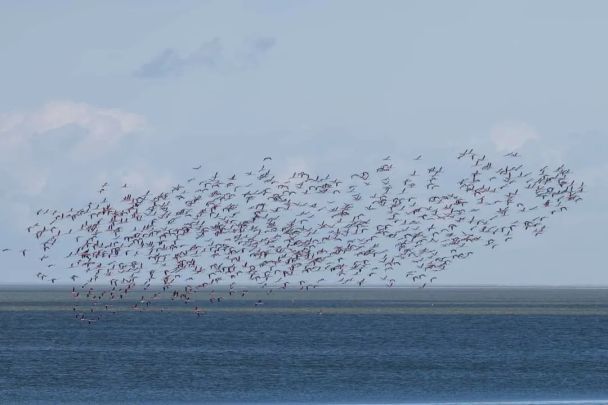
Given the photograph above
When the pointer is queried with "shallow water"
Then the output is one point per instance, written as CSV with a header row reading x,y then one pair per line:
x,y
395,346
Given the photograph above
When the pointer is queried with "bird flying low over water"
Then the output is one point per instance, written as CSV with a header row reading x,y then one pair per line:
x,y
223,233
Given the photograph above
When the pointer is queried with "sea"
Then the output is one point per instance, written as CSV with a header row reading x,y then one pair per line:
x,y
445,345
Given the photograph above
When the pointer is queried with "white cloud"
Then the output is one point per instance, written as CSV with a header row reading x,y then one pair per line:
x,y
210,55
56,149
510,136
101,127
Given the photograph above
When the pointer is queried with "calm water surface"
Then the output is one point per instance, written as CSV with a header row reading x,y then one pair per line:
x,y
330,346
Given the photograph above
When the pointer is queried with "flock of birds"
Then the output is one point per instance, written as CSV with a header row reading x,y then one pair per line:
x,y
227,234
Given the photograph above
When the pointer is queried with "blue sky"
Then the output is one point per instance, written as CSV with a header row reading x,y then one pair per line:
x,y
122,92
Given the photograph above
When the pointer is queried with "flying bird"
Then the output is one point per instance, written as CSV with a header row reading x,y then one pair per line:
x,y
384,224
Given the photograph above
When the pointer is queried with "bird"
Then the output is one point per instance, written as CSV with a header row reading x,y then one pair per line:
x,y
300,232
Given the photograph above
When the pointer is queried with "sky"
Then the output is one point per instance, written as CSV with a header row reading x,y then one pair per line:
x,y
125,92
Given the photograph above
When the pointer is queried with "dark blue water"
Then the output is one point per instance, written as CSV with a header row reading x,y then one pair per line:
x,y
301,357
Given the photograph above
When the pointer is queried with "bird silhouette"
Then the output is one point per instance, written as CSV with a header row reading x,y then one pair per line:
x,y
374,227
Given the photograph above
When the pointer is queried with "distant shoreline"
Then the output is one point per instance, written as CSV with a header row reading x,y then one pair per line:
x,y
19,286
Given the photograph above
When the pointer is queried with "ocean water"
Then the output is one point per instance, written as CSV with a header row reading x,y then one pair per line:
x,y
328,346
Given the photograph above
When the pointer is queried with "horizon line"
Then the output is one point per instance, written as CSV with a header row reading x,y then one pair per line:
x,y
330,286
